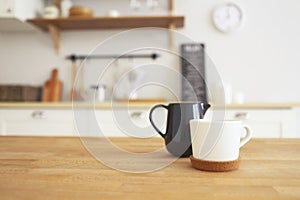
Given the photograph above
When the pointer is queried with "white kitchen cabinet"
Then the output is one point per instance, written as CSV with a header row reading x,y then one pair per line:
x,y
37,122
289,123
266,123
122,122
13,14
134,123
119,123
64,122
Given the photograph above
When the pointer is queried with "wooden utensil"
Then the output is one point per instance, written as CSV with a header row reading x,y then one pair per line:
x,y
52,91
74,72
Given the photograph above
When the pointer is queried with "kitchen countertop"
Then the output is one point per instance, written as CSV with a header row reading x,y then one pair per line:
x,y
69,105
138,105
61,168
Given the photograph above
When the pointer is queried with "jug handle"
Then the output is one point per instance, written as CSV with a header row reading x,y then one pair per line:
x,y
152,122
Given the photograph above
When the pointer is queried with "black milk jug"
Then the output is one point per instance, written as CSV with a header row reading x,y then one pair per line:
x,y
177,136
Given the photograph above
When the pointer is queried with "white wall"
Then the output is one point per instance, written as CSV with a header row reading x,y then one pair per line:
x,y
261,60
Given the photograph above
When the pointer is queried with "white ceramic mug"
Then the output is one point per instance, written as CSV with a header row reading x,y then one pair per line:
x,y
218,140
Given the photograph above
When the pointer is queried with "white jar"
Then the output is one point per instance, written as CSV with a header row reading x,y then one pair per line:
x,y
113,13
101,93
51,11
65,6
97,93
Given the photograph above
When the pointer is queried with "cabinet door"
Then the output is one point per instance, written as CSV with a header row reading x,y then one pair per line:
x,y
37,122
290,127
123,123
265,123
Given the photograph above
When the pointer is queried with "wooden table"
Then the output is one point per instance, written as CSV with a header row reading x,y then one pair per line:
x,y
61,168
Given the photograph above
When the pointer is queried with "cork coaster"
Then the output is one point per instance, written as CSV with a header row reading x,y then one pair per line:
x,y
215,166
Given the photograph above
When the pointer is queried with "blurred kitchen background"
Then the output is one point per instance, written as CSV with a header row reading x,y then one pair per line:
x,y
259,61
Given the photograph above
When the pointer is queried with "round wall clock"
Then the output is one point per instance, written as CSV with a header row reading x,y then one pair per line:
x,y
228,17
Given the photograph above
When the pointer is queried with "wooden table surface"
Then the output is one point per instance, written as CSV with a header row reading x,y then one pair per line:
x,y
61,168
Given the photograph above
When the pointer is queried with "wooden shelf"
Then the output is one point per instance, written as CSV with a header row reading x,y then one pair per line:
x,y
80,23
54,26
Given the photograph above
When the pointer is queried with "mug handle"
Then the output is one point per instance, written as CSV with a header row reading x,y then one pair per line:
x,y
152,122
247,137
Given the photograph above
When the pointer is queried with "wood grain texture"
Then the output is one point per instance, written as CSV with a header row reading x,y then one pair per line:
x,y
52,91
86,23
61,168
